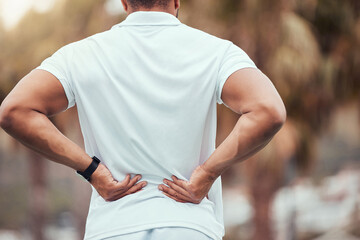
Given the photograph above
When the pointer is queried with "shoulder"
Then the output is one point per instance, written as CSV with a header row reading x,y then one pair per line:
x,y
85,42
194,32
223,46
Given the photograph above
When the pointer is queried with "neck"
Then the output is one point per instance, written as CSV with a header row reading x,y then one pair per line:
x,y
154,9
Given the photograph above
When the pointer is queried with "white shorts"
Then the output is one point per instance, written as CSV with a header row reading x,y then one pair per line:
x,y
168,233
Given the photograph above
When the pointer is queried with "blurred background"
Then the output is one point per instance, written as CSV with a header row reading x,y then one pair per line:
x,y
304,185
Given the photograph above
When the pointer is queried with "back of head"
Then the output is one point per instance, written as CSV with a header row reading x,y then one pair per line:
x,y
148,4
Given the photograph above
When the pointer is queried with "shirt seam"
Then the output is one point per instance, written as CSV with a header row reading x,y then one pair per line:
x,y
218,81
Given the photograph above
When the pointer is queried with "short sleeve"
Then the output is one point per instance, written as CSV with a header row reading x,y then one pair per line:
x,y
57,65
234,59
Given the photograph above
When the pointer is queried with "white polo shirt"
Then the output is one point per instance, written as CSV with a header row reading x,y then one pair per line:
x,y
146,94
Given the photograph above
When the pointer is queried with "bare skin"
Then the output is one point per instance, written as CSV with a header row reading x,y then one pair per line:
x,y
172,7
39,95
24,115
247,92
25,111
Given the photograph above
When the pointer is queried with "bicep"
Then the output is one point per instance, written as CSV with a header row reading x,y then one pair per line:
x,y
248,88
39,91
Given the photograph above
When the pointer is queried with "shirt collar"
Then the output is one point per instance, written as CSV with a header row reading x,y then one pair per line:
x,y
149,18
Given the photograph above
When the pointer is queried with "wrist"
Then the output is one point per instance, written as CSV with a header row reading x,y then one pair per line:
x,y
88,172
211,175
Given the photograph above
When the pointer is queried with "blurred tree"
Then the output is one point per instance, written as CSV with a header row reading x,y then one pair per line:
x,y
38,197
310,49
36,37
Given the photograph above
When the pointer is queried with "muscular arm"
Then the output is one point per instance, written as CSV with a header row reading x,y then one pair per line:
x,y
250,93
24,115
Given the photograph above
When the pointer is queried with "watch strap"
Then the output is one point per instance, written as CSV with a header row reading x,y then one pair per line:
x,y
91,169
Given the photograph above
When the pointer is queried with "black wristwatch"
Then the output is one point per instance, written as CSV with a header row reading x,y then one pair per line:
x,y
91,169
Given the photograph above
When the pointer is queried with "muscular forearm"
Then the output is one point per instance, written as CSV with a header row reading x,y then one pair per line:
x,y
251,133
37,132
24,115
247,92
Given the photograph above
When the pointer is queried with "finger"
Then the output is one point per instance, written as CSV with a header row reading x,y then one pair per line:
x,y
134,180
122,186
177,188
131,183
126,180
179,182
136,188
173,193
176,199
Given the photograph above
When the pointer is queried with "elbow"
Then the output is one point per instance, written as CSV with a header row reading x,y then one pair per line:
x,y
272,115
276,115
7,116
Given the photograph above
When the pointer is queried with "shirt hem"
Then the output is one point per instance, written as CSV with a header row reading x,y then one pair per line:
x,y
132,229
228,74
52,70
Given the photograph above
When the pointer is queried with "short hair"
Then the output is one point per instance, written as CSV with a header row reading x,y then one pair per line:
x,y
135,4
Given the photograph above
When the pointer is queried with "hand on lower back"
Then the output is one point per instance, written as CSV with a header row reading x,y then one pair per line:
x,y
110,189
192,191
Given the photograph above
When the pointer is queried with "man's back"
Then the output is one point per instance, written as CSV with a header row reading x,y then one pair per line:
x,y
146,94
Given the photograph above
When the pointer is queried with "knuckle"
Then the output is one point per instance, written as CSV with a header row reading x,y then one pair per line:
x,y
122,183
